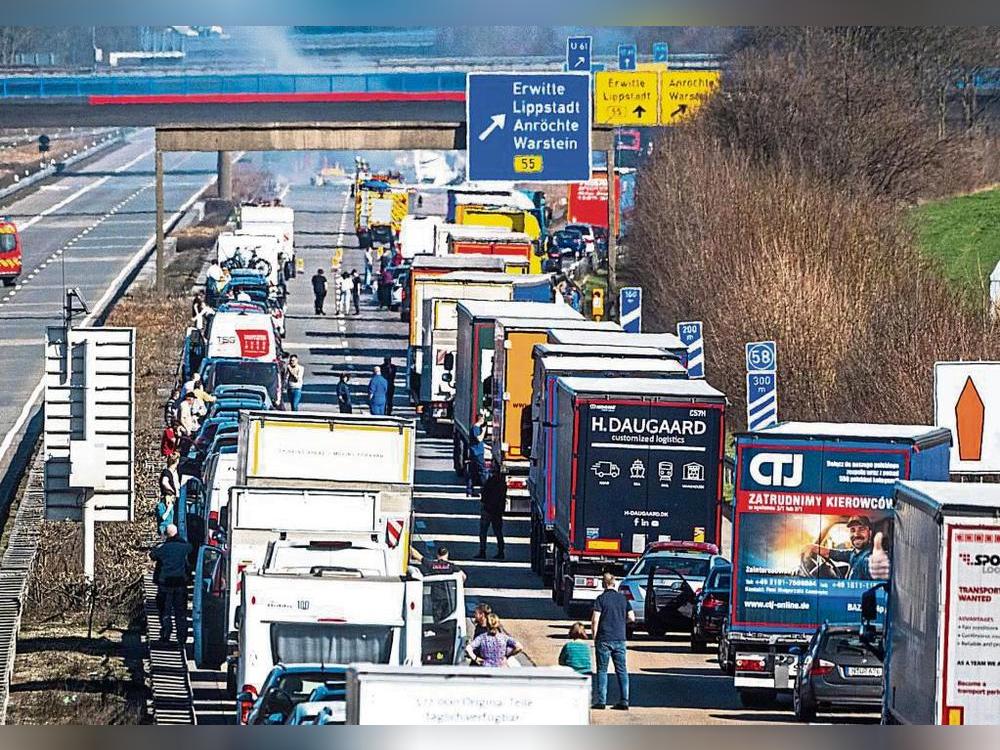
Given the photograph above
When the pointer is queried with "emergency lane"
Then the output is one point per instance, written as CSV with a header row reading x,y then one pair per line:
x,y
81,230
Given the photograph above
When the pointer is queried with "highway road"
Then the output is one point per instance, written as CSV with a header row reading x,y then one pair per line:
x,y
81,230
670,685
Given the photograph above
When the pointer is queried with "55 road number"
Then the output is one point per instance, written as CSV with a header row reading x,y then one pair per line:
x,y
528,163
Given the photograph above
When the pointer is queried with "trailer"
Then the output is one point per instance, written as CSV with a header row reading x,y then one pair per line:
x,y
668,342
811,498
474,362
942,660
612,363
630,461
466,696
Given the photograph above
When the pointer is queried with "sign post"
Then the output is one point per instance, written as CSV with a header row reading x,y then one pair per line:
x,y
578,53
631,98
967,402
690,333
630,309
762,384
682,92
626,56
528,126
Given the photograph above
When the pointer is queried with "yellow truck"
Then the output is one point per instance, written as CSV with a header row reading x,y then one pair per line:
x,y
522,222
379,209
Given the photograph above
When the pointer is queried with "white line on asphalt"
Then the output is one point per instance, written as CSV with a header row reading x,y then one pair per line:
x,y
512,594
461,516
489,563
475,538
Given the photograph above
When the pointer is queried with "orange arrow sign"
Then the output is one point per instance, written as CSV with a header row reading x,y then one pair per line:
x,y
970,417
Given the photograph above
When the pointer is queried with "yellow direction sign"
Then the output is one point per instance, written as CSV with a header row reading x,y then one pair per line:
x,y
682,92
626,97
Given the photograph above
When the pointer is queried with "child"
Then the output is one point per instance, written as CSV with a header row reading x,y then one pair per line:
x,y
576,653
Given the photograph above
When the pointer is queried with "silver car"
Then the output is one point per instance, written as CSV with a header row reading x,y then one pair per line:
x,y
682,564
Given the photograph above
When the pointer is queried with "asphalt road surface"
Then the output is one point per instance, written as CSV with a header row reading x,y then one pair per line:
x,y
81,230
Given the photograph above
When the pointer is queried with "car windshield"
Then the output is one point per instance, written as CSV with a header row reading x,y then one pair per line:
x,y
243,372
688,566
7,242
301,685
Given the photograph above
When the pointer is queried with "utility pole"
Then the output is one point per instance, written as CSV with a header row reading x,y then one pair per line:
x,y
160,272
612,229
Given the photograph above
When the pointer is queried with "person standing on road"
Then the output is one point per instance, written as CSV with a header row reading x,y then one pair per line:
x,y
575,653
440,565
494,502
378,388
385,288
171,574
475,468
356,291
479,615
319,291
344,396
494,647
188,414
168,440
295,374
389,373
369,267
172,406
607,624
344,289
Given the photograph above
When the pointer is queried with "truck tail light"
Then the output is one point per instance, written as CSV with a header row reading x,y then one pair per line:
x,y
750,664
247,697
821,668
516,484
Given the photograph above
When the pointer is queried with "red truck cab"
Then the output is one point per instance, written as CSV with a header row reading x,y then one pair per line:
x,y
10,252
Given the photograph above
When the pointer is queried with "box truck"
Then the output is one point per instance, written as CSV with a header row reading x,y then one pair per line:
x,y
942,635
474,362
513,340
276,221
614,363
424,266
416,235
379,695
500,196
340,616
810,500
633,460
668,342
462,285
481,240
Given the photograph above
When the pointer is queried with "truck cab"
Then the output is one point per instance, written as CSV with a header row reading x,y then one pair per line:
x,y
10,252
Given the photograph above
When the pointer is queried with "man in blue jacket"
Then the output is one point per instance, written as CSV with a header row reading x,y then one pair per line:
x,y
378,390
171,573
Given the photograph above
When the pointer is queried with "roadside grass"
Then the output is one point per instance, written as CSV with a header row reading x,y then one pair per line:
x,y
963,233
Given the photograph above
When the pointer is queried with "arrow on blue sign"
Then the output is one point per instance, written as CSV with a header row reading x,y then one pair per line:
x,y
762,400
660,52
690,333
528,127
630,309
626,56
578,53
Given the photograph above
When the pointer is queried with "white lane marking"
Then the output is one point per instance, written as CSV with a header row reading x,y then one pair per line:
x,y
82,191
464,517
489,563
511,593
23,342
475,538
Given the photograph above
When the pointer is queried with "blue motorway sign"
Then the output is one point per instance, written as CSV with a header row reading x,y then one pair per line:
x,y
690,333
528,127
762,400
762,356
626,56
660,51
578,53
630,308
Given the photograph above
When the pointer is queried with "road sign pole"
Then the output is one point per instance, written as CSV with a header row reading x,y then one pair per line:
x,y
160,272
612,228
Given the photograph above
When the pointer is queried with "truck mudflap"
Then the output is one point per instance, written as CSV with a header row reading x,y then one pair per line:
x,y
771,670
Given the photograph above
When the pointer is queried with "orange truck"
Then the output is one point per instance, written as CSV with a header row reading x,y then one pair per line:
x,y
10,252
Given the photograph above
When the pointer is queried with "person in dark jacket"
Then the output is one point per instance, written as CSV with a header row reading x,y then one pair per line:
x,y
475,470
494,502
344,396
171,558
378,389
356,291
319,291
389,373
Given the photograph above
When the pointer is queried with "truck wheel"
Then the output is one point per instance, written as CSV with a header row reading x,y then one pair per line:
x,y
756,697
533,546
558,593
805,709
9,281
725,661
458,456
698,645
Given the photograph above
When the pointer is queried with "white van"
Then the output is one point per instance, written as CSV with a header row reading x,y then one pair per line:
x,y
241,335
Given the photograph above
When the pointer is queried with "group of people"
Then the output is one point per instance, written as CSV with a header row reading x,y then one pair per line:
x,y
347,292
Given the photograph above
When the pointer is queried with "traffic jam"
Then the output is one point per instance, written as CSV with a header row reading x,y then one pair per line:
x,y
793,553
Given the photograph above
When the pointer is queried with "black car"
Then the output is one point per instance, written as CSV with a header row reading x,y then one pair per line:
x,y
838,670
569,242
710,607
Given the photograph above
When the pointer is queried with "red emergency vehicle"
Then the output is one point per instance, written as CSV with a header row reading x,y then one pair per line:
x,y
10,252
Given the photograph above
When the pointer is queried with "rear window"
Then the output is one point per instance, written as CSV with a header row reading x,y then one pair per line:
x,y
844,644
330,643
301,685
722,582
243,373
7,242
687,566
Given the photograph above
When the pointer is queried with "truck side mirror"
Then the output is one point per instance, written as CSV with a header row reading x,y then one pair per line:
x,y
449,361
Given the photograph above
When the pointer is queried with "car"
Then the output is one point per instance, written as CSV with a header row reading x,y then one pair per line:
x,y
244,391
404,289
285,687
682,568
587,232
233,406
400,276
235,371
569,242
327,702
710,607
838,670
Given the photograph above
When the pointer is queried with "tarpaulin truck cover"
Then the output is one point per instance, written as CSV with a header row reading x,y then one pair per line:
x,y
943,624
634,460
668,342
800,484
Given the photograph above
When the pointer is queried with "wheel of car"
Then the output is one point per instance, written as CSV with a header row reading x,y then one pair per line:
x,y
756,697
805,709
722,656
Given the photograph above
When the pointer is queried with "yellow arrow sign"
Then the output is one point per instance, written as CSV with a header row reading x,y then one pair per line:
x,y
682,92
626,97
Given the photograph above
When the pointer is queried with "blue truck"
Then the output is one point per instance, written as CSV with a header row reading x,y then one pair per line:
x,y
812,530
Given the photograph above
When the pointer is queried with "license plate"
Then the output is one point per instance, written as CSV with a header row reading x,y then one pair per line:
x,y
864,671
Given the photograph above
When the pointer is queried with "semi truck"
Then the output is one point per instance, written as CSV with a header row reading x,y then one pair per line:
x,y
484,240
463,285
379,209
10,252
942,632
630,461
474,362
515,222
532,201
380,695
416,235
667,342
812,499
513,340
548,367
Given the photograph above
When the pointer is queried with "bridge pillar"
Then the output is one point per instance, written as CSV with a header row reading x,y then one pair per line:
x,y
225,172
160,272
